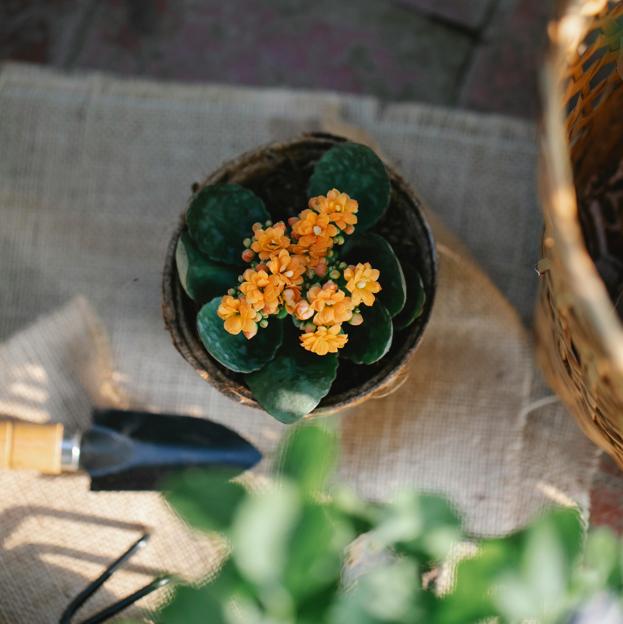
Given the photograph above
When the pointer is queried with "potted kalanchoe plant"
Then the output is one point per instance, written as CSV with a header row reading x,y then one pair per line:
x,y
285,297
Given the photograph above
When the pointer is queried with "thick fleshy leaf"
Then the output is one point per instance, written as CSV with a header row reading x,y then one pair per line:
x,y
291,386
373,248
370,341
354,169
220,217
235,351
416,298
308,456
201,278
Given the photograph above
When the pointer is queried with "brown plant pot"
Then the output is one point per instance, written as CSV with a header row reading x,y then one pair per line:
x,y
278,173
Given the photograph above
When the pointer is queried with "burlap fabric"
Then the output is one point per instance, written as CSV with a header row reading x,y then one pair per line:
x,y
93,174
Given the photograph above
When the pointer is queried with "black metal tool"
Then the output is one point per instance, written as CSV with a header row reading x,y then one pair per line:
x,y
120,605
126,450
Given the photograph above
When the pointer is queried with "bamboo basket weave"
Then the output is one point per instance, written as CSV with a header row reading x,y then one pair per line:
x,y
580,336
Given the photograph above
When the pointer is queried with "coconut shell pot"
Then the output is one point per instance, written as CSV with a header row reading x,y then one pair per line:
x,y
279,174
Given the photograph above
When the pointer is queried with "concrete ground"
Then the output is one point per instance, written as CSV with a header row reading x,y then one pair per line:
x,y
477,54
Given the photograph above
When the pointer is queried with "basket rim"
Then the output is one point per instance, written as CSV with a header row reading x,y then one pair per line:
x,y
172,296
565,34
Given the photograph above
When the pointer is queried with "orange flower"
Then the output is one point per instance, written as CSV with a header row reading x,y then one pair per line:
x,y
303,311
362,283
339,207
251,287
267,242
272,294
311,223
289,269
238,315
291,298
326,295
324,340
339,312
314,249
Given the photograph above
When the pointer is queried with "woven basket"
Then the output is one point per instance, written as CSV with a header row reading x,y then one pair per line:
x,y
279,173
579,333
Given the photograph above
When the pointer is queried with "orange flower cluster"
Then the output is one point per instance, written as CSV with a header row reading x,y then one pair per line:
x,y
295,271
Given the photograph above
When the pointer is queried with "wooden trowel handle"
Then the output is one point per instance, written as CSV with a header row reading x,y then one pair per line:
x,y
30,446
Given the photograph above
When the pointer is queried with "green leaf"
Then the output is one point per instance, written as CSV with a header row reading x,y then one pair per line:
x,y
261,532
362,515
293,384
373,248
190,605
602,561
315,551
235,351
387,594
354,169
202,279
416,298
220,217
308,456
472,596
420,525
370,341
206,501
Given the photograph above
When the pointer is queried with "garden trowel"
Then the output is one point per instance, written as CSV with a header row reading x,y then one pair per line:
x,y
125,450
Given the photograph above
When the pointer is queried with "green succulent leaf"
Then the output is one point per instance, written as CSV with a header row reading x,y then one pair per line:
x,y
235,351
206,501
373,248
201,278
370,341
308,456
291,386
354,169
220,217
416,298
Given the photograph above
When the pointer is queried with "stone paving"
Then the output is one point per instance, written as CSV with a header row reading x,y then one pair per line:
x,y
477,54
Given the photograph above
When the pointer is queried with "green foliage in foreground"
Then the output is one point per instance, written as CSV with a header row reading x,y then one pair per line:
x,y
290,545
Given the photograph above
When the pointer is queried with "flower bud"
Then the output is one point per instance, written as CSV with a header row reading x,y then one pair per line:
x,y
303,310
248,255
356,319
247,242
321,268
